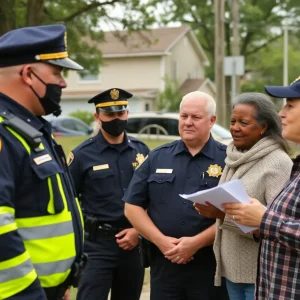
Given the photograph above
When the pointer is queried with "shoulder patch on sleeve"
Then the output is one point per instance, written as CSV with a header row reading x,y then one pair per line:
x,y
70,158
168,145
140,159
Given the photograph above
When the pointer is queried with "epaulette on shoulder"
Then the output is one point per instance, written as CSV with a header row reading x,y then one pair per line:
x,y
221,146
84,144
168,145
135,140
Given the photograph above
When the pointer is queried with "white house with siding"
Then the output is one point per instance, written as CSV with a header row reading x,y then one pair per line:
x,y
139,63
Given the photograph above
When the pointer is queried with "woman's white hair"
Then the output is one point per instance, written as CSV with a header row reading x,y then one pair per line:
x,y
202,96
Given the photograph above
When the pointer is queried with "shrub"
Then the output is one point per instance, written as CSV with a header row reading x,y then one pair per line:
x,y
85,116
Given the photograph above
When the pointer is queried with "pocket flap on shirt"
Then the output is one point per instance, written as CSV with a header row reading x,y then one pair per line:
x,y
161,178
210,182
101,173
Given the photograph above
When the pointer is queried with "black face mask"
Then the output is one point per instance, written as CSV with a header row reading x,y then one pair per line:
x,y
52,98
115,127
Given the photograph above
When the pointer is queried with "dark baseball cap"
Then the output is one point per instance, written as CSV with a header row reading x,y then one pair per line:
x,y
291,91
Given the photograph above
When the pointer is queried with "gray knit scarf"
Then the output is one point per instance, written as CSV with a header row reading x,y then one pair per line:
x,y
238,162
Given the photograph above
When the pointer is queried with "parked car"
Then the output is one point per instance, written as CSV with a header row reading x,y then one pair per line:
x,y
165,126
66,125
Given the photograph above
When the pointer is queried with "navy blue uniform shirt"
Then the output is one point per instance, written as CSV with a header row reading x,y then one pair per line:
x,y
102,172
171,170
23,180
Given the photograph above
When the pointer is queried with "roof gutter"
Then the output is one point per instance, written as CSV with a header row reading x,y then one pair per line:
x,y
140,54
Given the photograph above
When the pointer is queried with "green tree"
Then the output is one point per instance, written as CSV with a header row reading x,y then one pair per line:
x,y
267,65
83,19
260,23
85,116
260,30
170,98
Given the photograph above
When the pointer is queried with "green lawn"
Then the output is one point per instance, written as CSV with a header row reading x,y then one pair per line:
x,y
70,142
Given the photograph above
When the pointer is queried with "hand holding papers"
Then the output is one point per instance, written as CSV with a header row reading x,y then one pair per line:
x,y
229,192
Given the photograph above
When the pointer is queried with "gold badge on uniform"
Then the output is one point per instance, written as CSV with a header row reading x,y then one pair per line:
x,y
214,171
140,158
70,158
114,94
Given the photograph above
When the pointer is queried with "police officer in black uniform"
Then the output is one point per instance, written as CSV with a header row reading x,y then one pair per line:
x,y
102,168
41,234
181,256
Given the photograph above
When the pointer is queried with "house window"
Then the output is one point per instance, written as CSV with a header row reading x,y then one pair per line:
x,y
147,106
86,77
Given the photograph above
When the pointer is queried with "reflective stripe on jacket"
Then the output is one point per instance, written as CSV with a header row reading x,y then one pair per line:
x,y
49,241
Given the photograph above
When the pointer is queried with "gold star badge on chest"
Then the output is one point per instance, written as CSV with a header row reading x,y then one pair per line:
x,y
214,171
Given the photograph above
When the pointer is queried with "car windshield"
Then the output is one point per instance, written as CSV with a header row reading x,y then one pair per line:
x,y
221,132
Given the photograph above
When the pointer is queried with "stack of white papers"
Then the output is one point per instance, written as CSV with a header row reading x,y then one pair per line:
x,y
232,191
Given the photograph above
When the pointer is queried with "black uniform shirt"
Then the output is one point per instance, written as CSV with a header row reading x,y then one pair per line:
x,y
171,170
102,172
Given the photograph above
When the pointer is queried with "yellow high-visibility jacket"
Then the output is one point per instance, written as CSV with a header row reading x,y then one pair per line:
x,y
41,228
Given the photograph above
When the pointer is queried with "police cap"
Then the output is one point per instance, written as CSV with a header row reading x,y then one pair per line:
x,y
291,91
111,100
36,44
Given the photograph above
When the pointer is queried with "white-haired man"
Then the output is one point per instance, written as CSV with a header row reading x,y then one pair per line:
x,y
180,241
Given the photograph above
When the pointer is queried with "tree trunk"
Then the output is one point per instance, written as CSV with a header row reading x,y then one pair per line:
x,y
7,16
35,12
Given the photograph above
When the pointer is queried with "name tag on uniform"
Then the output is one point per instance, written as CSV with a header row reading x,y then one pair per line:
x,y
42,159
101,167
164,171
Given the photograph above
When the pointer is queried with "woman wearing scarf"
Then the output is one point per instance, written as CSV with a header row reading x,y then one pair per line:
x,y
258,157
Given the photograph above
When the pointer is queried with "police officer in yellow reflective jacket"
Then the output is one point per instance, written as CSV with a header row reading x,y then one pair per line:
x,y
41,233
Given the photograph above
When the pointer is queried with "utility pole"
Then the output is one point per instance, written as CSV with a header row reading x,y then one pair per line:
x,y
285,55
236,39
219,62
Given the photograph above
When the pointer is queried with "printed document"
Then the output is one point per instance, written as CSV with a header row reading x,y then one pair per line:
x,y
228,192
